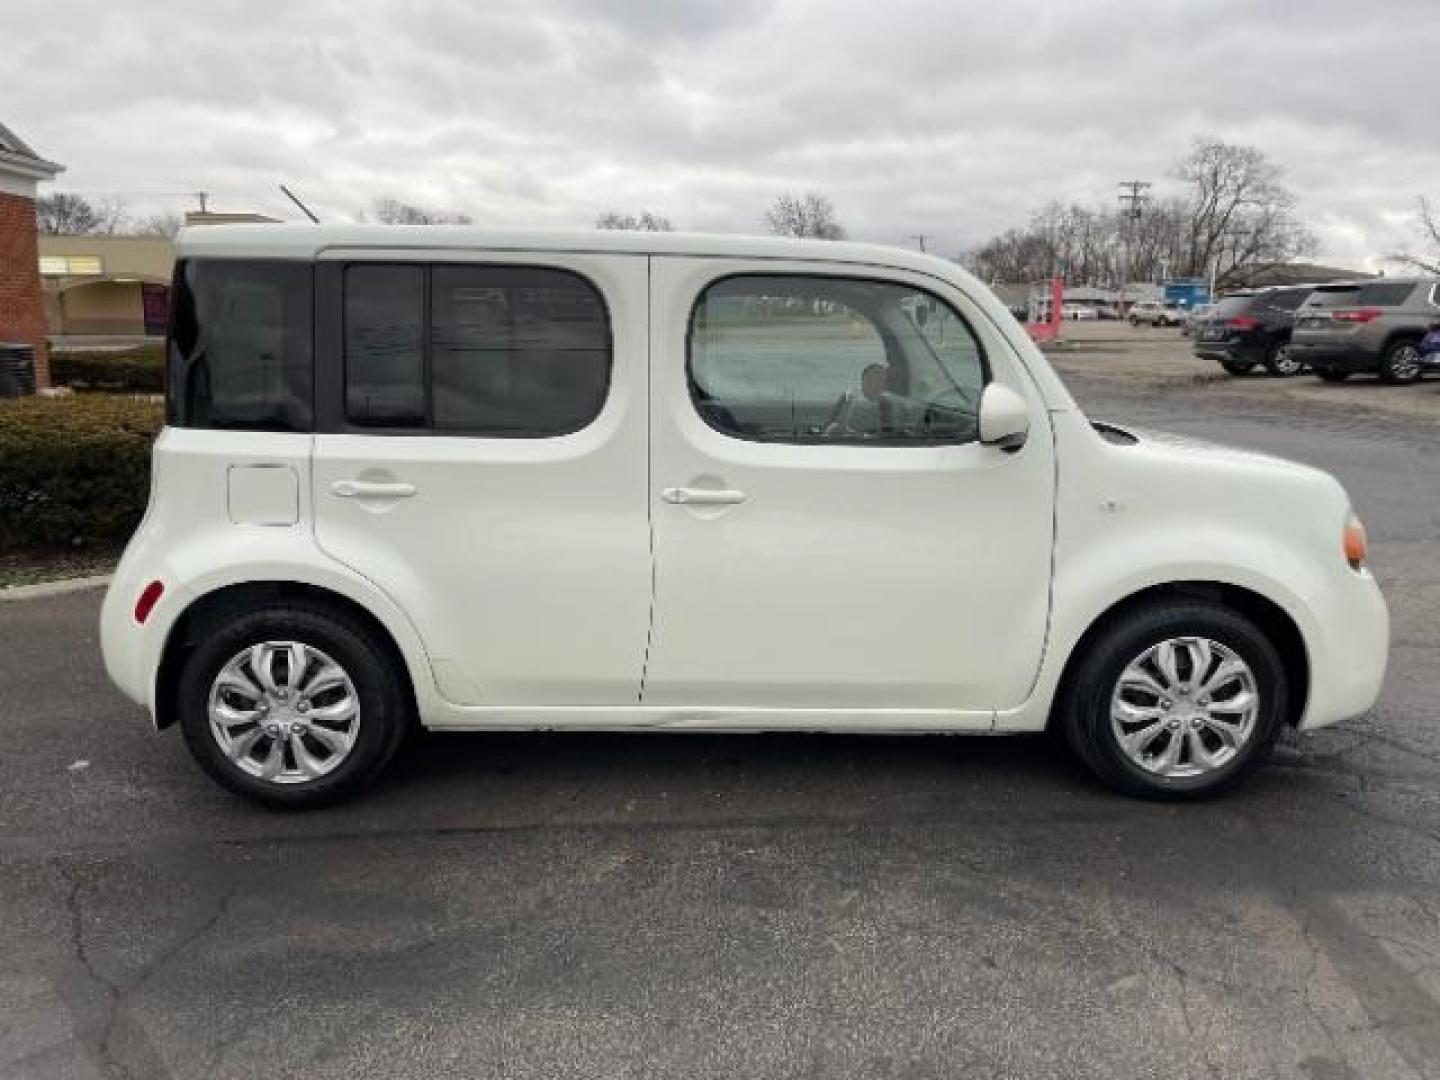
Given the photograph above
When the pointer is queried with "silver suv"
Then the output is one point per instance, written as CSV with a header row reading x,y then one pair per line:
x,y
1366,326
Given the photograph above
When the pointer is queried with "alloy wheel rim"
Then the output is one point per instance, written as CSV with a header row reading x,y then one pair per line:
x,y
284,712
1184,707
1285,362
1406,362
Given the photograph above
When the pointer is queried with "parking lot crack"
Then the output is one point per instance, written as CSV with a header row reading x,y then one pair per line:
x,y
106,1044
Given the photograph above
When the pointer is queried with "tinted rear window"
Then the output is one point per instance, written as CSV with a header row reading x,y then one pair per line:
x,y
1231,306
384,345
240,353
1287,299
514,351
517,350
1373,294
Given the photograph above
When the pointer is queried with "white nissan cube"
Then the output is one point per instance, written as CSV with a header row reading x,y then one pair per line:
x,y
477,481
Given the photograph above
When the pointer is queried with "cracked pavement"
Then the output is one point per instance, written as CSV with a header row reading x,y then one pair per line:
x,y
789,905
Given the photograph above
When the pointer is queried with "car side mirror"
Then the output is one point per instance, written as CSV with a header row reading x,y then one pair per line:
x,y
1004,418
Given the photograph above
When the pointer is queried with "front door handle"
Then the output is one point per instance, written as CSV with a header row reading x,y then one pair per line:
x,y
371,489
682,496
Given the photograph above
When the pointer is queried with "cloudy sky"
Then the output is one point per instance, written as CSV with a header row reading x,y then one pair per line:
x,y
951,118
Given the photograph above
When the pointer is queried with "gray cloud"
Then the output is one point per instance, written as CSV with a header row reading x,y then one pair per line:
x,y
934,116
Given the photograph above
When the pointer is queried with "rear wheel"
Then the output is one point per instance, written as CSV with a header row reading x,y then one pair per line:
x,y
1176,701
1401,362
1236,367
292,706
1280,360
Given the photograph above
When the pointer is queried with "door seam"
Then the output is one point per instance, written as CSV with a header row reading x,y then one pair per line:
x,y
646,383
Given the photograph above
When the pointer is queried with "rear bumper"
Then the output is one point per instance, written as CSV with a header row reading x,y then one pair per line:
x,y
1233,351
1325,357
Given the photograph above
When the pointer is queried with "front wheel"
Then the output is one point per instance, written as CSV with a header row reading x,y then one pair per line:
x,y
1176,701
294,705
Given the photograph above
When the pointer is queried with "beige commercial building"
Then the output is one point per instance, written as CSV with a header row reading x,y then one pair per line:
x,y
111,285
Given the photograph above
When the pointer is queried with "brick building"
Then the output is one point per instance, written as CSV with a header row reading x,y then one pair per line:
x,y
22,307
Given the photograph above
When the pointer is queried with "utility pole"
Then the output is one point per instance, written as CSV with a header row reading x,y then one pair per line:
x,y
202,196
1134,194
920,239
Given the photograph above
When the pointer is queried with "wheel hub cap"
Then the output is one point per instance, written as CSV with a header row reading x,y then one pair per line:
x,y
284,712
1184,707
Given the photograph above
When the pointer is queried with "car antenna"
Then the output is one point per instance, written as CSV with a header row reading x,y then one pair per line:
x,y
303,208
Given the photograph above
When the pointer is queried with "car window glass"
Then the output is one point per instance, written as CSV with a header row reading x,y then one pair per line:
x,y
1385,294
384,350
1232,306
1289,299
833,360
511,351
240,350
1333,296
517,350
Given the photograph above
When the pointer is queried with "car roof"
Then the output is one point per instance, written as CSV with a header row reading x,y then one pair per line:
x,y
1339,286
287,241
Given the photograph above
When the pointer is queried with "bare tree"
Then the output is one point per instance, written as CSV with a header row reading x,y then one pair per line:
x,y
1239,213
392,211
808,215
1234,219
1429,225
644,222
66,214
167,224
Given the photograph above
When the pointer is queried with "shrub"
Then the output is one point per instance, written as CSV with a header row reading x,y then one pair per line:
x,y
74,470
139,370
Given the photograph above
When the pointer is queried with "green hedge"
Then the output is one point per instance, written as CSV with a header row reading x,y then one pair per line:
x,y
139,370
74,470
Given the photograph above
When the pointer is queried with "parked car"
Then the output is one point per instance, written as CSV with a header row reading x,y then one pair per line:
x,y
1430,348
1155,313
1253,327
1372,326
482,481
1193,317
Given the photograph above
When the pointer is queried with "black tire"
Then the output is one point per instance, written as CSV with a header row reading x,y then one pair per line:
x,y
1085,703
1334,376
1280,362
1236,367
1401,363
386,710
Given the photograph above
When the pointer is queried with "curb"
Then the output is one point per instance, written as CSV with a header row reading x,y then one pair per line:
x,y
43,589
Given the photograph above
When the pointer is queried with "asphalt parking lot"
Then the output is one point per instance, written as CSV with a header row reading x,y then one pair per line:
x,y
687,905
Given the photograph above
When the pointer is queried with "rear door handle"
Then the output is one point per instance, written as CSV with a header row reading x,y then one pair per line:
x,y
371,489
682,496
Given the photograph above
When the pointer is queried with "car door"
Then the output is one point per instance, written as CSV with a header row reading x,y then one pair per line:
x,y
483,458
829,533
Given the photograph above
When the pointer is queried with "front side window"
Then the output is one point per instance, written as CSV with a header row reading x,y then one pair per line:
x,y
510,351
240,351
833,360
